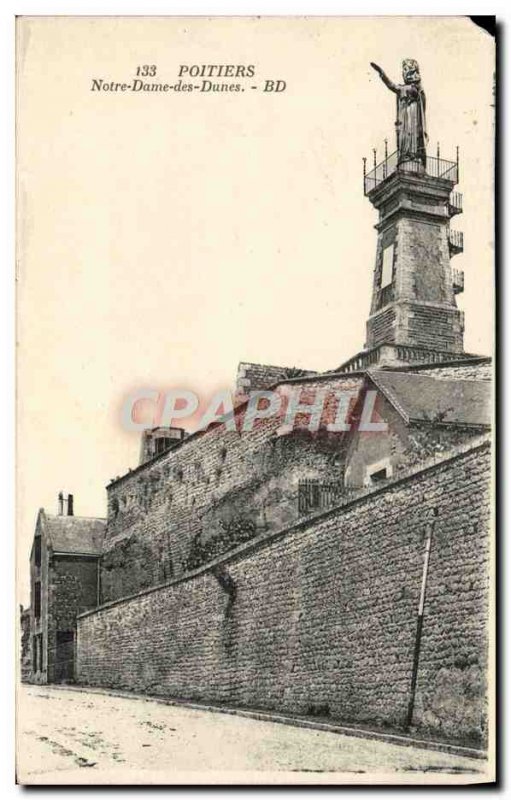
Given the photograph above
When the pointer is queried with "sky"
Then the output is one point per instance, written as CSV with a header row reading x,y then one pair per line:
x,y
162,238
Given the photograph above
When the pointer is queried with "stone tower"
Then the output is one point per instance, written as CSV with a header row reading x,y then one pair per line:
x,y
414,286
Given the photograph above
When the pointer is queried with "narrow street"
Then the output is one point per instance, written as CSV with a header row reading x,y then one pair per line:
x,y
67,736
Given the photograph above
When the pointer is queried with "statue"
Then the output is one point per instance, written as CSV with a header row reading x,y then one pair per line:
x,y
411,112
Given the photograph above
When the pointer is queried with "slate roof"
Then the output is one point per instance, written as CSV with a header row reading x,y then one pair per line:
x,y
75,534
423,398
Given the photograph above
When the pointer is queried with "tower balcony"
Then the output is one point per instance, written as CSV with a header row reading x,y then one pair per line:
x,y
455,242
435,167
455,203
458,281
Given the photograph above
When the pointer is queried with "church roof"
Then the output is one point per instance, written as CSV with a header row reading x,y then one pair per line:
x,y
422,398
82,535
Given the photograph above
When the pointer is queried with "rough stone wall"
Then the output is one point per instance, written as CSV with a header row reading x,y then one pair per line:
x,y
72,589
424,274
160,515
321,619
253,377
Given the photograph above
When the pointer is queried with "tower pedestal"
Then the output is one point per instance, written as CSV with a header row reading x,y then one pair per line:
x,y
414,288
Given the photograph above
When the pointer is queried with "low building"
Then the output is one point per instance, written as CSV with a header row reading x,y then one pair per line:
x,y
64,581
424,416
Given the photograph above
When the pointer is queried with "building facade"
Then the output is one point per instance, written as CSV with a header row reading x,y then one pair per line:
x,y
64,581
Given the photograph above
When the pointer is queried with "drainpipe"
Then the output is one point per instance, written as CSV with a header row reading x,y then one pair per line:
x,y
420,617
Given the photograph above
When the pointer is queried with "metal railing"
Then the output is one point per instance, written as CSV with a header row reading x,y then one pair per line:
x,y
455,242
316,495
455,203
458,280
434,167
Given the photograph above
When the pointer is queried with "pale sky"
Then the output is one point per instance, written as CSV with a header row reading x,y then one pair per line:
x,y
163,238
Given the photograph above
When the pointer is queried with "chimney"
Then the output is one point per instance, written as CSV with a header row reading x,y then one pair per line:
x,y
70,505
61,504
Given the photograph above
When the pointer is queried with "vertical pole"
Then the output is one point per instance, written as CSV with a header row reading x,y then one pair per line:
x,y
386,159
420,618
74,665
98,581
438,149
374,157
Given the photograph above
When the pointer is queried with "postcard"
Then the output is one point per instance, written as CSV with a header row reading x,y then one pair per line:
x,y
255,377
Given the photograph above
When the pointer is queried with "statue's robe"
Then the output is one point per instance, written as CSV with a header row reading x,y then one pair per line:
x,y
411,118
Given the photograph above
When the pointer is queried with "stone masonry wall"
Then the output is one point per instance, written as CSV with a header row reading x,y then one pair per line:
x,y
429,326
321,618
425,274
253,377
161,513
72,589
25,660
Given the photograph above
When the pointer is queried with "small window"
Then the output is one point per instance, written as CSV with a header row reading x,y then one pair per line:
x,y
37,599
377,472
37,551
63,637
379,475
387,268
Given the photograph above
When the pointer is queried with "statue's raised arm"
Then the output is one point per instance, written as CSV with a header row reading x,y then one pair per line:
x,y
386,80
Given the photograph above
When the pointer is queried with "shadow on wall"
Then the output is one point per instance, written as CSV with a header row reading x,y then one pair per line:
x,y
269,506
